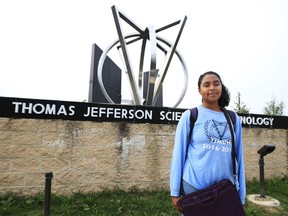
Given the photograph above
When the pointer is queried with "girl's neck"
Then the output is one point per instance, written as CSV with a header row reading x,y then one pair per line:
x,y
214,107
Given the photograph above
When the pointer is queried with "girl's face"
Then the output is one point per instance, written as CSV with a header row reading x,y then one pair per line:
x,y
210,89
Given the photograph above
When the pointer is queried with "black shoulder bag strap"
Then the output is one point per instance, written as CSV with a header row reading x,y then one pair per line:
x,y
192,120
233,151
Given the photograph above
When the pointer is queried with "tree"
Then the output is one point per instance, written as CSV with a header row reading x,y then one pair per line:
x,y
274,108
240,106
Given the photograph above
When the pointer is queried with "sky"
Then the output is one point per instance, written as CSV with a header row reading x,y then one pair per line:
x,y
45,46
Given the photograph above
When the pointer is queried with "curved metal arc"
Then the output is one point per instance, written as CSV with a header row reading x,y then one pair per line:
x,y
104,55
132,41
101,63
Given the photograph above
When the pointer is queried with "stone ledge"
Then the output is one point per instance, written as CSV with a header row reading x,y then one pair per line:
x,y
265,201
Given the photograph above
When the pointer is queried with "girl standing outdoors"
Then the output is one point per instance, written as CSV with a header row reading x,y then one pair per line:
x,y
208,161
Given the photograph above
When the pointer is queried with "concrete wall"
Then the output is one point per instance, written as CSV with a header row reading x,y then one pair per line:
x,y
89,156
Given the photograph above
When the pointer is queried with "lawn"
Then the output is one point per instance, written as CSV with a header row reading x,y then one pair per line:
x,y
133,202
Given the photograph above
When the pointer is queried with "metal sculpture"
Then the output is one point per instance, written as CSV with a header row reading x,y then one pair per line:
x,y
156,79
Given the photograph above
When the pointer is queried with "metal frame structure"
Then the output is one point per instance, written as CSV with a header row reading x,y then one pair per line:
x,y
155,79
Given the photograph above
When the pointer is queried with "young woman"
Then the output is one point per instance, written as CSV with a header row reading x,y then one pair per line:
x,y
208,158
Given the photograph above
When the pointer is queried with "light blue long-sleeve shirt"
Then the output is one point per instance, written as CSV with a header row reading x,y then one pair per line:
x,y
209,157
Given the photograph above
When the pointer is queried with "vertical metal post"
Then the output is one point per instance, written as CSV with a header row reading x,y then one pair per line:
x,y
48,178
261,168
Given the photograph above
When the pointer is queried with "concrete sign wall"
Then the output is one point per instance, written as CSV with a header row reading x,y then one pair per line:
x,y
92,153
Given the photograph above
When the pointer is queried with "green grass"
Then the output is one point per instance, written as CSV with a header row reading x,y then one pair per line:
x,y
133,202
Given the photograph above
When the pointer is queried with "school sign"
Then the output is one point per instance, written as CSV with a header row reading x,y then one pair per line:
x,y
81,111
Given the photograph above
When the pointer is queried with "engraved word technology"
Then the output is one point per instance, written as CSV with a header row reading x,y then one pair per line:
x,y
155,77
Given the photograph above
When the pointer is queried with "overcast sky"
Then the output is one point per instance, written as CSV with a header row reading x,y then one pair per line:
x,y
45,46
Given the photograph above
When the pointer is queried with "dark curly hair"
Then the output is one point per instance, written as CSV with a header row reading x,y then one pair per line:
x,y
224,100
